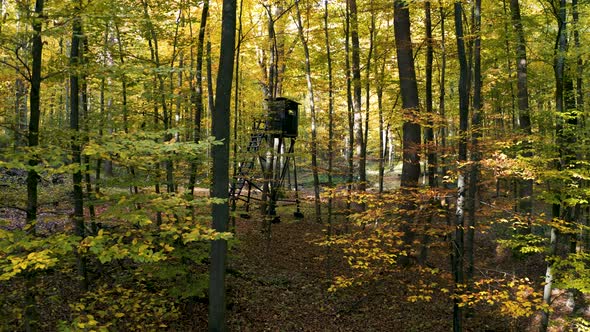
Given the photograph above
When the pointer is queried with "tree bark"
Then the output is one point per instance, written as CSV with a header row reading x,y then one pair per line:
x,y
371,50
349,112
475,137
525,193
409,93
220,129
429,130
330,138
30,313
509,70
197,92
441,102
458,241
411,128
35,113
78,215
310,92
356,94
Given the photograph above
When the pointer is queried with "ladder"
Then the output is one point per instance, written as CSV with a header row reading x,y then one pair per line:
x,y
245,167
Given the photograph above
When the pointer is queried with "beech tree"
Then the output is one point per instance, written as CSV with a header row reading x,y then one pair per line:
x,y
458,240
410,105
220,177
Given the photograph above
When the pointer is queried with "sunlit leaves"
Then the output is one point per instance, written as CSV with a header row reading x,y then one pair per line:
x,y
21,252
121,307
516,297
573,272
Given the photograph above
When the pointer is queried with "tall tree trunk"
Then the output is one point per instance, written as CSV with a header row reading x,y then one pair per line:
x,y
162,93
102,117
363,155
75,61
444,130
579,59
237,96
85,119
382,130
411,129
579,94
134,188
429,130
35,109
310,92
275,67
509,71
350,111
559,68
458,241
356,94
330,138
525,193
197,92
30,314
475,137
383,137
220,129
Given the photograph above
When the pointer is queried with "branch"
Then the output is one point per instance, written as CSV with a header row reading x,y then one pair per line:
x,y
24,64
13,207
50,75
16,68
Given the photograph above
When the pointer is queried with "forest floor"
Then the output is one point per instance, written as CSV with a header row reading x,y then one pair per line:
x,y
281,284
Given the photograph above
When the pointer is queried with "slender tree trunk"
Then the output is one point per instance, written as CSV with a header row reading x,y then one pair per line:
x,y
509,71
237,96
197,92
35,109
75,61
154,57
220,129
444,130
350,112
458,241
102,116
382,133
162,93
579,60
525,193
383,144
475,137
85,119
210,90
559,68
579,94
30,313
134,188
356,93
330,138
429,130
310,92
548,279
363,155
411,129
